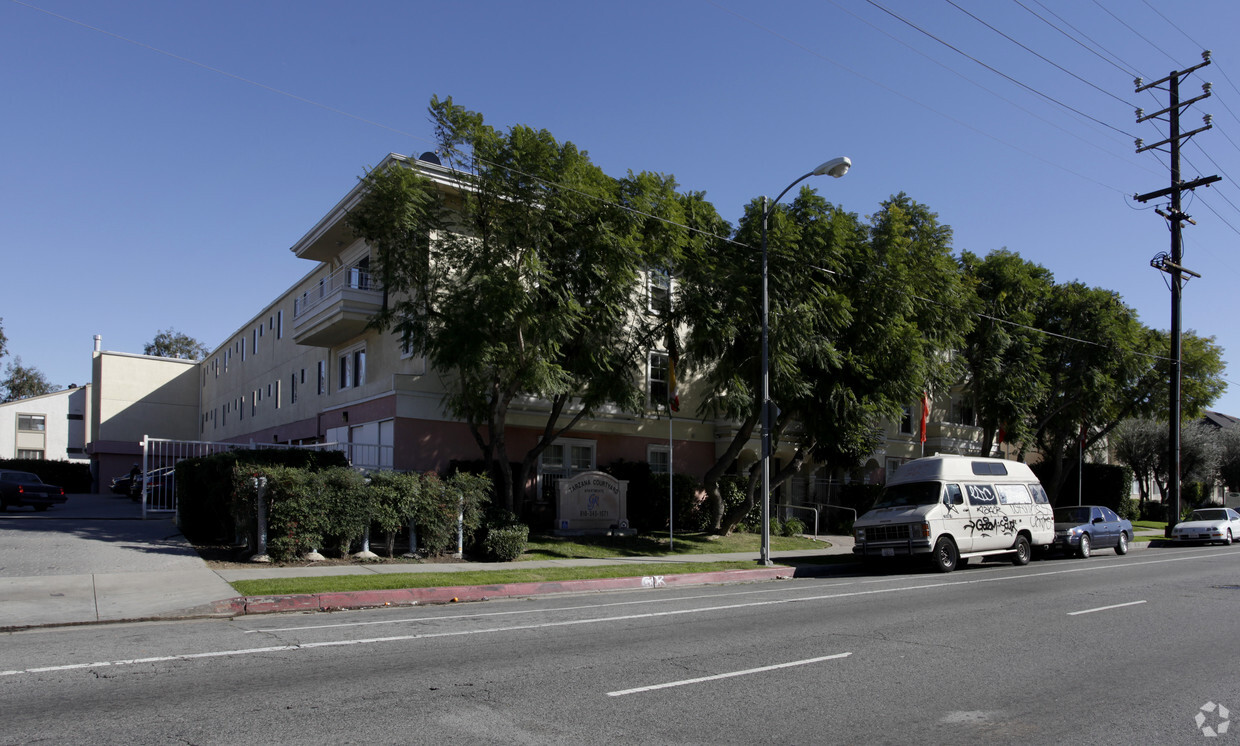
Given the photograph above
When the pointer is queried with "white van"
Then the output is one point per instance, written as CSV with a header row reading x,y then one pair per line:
x,y
952,508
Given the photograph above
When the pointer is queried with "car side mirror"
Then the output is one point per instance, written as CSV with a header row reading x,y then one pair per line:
x,y
1098,520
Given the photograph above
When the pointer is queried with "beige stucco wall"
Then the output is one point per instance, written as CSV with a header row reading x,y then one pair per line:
x,y
137,395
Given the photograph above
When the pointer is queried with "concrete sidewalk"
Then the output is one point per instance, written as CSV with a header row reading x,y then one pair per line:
x,y
94,559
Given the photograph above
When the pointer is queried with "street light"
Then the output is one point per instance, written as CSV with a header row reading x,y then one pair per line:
x,y
836,167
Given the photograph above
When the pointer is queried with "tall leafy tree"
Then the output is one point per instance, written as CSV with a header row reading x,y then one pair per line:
x,y
1106,367
1005,377
862,316
1137,443
524,282
171,343
21,381
4,341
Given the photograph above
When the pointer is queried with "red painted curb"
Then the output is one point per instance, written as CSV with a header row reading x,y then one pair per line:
x,y
451,594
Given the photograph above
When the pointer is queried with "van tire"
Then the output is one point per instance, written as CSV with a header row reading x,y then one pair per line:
x,y
1024,552
945,556
1083,551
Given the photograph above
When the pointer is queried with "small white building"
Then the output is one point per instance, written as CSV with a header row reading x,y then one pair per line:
x,y
52,426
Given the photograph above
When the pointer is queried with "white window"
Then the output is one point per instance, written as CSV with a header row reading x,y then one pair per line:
x,y
659,458
30,453
322,377
658,291
352,368
656,378
563,459
567,456
31,423
280,324
906,421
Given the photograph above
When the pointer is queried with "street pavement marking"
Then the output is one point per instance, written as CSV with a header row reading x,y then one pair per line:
x,y
766,591
1106,608
716,677
578,622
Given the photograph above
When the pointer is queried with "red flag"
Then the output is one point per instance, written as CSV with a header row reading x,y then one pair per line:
x,y
925,414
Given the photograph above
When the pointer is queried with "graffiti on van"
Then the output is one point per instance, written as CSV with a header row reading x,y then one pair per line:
x,y
981,494
986,524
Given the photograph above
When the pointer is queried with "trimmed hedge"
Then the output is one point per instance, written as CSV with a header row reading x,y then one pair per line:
x,y
1101,484
506,543
208,503
73,477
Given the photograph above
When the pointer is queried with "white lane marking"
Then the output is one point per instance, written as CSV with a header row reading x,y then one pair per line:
x,y
783,589
1105,608
576,622
716,677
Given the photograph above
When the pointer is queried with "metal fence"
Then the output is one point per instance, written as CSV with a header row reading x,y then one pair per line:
x,y
161,455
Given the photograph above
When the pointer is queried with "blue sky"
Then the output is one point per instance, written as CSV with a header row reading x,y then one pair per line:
x,y
161,157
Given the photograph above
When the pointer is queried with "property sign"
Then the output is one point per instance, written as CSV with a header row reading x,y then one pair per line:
x,y
591,502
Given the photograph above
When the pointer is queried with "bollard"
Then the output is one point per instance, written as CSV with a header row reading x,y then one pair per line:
x,y
260,507
413,540
366,554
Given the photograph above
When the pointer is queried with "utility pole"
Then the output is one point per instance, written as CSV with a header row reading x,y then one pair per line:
x,y
1173,264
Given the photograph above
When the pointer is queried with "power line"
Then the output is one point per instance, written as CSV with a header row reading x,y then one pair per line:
x,y
1131,67
1083,45
994,70
1057,66
1138,34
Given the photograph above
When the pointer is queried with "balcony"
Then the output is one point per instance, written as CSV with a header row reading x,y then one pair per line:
x,y
337,310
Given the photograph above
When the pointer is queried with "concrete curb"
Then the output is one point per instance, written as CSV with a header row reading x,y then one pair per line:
x,y
336,601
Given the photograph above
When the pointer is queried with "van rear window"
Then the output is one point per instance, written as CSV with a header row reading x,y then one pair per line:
x,y
987,468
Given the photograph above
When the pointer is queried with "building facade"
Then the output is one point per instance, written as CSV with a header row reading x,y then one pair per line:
x,y
308,368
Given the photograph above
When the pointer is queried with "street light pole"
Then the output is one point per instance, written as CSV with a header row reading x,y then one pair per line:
x,y
835,167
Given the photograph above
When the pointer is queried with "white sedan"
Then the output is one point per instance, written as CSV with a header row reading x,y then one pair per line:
x,y
1209,524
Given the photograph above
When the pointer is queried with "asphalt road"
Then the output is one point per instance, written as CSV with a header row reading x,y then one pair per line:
x,y
1106,650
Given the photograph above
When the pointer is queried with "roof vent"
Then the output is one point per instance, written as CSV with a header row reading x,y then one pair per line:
x,y
430,157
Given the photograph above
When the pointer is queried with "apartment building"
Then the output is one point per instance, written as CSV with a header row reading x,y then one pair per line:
x,y
307,368
51,426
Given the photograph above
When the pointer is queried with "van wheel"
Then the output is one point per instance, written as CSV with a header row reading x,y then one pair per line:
x,y
1083,550
945,555
1023,551
1122,546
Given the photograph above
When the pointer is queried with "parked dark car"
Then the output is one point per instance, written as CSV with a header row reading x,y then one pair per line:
x,y
21,488
1081,529
131,483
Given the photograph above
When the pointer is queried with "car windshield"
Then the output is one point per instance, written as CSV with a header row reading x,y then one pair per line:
x,y
1209,515
905,495
1072,515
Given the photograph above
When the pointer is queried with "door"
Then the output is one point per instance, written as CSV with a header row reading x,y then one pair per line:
x,y
985,517
956,517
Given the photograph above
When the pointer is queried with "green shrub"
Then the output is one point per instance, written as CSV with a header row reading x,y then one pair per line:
x,y
1152,511
792,527
506,543
207,499
72,477
1129,509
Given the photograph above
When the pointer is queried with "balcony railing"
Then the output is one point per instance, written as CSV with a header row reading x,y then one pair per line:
x,y
337,309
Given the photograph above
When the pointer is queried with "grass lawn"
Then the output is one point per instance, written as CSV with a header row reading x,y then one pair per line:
x,y
371,582
1157,525
545,547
